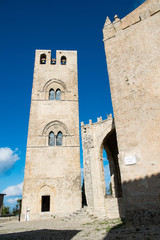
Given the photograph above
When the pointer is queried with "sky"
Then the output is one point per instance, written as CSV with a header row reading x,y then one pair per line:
x,y
52,25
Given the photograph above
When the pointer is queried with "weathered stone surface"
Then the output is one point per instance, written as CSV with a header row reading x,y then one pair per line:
x,y
53,170
76,229
133,62
93,142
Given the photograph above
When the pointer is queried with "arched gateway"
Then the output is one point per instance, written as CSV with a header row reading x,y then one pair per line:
x,y
96,137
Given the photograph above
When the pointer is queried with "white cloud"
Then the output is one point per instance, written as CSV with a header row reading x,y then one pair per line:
x,y
107,175
13,191
8,157
82,175
82,172
12,200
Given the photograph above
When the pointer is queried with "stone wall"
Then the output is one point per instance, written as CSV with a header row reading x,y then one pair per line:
x,y
132,51
9,219
53,170
93,142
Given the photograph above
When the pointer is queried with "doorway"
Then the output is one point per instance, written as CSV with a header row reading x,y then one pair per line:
x,y
45,204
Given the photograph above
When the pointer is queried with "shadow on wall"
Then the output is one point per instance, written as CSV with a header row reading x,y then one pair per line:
x,y
41,234
142,207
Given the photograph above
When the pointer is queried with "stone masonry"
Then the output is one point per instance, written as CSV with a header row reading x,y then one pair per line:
x,y
96,137
52,184
132,47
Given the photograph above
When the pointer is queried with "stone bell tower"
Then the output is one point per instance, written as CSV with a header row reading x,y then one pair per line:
x,y
52,183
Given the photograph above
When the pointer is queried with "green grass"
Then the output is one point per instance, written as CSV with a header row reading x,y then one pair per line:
x,y
97,229
85,224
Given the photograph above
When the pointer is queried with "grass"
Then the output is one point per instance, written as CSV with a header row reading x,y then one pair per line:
x,y
110,224
85,224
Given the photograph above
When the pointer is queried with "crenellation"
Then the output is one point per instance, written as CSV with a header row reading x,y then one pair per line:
x,y
117,23
132,61
108,30
94,139
109,116
142,13
82,124
131,139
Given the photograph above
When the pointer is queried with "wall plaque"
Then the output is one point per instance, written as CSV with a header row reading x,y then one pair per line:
x,y
130,160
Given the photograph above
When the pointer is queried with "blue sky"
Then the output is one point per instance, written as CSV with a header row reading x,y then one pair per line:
x,y
56,25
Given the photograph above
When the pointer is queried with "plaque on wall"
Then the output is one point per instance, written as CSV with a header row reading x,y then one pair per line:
x,y
130,160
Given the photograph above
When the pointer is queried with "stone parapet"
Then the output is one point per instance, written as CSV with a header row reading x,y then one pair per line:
x,y
146,10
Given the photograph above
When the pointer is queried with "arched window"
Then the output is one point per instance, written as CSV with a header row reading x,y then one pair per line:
x,y
63,60
51,139
58,94
59,139
53,61
51,94
43,59
107,174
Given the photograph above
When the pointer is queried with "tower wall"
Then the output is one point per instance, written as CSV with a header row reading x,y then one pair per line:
x,y
53,170
132,51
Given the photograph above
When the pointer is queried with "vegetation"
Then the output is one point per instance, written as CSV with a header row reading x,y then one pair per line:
x,y
16,209
109,190
5,210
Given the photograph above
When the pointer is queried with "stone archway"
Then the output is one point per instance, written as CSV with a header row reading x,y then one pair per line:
x,y
46,190
110,145
95,137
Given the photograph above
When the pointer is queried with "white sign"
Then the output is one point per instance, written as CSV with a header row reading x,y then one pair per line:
x,y
130,160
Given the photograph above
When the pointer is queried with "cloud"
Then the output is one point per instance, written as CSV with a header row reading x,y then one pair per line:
x,y
82,172
107,175
8,157
14,191
12,200
82,175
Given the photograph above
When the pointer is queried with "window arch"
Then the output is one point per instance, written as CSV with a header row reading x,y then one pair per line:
x,y
63,60
58,94
43,59
51,140
59,139
53,61
51,94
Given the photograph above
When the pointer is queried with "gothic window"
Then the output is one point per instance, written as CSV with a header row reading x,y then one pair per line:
x,y
59,139
51,94
43,59
63,60
58,94
51,139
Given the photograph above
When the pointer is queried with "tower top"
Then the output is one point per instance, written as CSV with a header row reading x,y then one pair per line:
x,y
63,57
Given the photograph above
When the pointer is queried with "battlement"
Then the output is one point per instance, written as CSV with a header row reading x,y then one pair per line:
x,y
63,57
99,120
144,11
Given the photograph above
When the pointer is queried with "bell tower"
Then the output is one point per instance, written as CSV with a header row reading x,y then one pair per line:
x,y
52,182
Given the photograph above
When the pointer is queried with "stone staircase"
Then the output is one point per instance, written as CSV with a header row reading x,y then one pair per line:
x,y
84,214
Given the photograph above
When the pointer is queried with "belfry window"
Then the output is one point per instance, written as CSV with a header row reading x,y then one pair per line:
x,y
63,60
51,94
53,61
51,139
58,94
43,59
59,139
